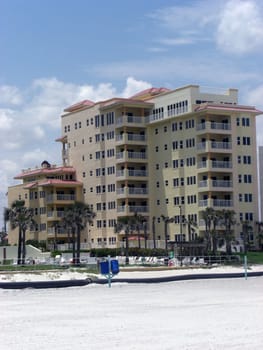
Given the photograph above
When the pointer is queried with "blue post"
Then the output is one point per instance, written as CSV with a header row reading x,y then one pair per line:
x,y
245,266
109,274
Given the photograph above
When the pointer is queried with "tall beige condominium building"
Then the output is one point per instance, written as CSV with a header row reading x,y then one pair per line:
x,y
163,154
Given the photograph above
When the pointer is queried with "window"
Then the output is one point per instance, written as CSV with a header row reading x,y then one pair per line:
x,y
247,159
166,164
247,178
156,149
166,182
165,147
156,131
246,141
165,128
157,166
157,184
238,121
238,140
248,197
174,126
245,122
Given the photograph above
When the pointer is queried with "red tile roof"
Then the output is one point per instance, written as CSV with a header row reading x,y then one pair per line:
x,y
227,107
79,105
46,171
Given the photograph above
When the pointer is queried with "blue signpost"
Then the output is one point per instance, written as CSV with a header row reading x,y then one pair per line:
x,y
109,268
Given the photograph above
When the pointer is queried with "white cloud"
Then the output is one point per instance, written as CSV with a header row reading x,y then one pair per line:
x,y
6,120
34,157
240,29
38,132
134,86
10,95
254,97
176,41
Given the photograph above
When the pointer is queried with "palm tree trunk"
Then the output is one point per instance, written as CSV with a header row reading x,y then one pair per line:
x,y
23,246
19,246
78,247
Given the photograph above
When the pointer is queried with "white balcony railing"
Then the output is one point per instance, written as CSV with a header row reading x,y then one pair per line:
x,y
215,203
132,209
132,190
213,126
204,145
130,120
128,172
60,197
215,164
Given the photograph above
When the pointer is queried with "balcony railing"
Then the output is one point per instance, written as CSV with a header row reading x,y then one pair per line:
x,y
132,209
205,145
130,137
131,155
215,164
132,190
58,214
130,120
213,126
215,203
127,172
58,230
221,145
60,197
215,183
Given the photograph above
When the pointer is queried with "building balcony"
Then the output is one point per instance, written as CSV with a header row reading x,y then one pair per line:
x,y
55,214
132,192
127,156
215,185
59,231
215,165
131,209
214,127
130,120
221,203
127,173
67,198
132,139
214,146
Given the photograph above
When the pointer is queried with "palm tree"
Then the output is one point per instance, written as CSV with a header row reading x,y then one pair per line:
x,y
260,234
138,219
166,221
227,220
20,216
208,215
126,224
76,218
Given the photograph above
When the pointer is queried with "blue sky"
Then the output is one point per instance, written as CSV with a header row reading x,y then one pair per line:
x,y
57,52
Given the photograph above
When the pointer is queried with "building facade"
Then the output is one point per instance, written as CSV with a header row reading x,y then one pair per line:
x,y
162,154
